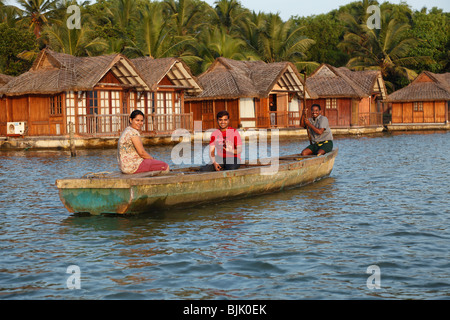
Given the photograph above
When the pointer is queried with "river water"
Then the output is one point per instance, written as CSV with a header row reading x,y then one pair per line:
x,y
377,228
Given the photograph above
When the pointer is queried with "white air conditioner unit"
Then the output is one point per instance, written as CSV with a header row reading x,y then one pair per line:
x,y
15,128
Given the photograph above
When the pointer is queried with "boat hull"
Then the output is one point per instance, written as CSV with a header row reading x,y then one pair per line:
x,y
132,195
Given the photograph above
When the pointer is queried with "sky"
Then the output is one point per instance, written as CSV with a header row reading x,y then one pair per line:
x,y
304,8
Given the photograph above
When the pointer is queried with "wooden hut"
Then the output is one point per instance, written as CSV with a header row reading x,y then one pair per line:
x,y
169,79
4,79
255,93
348,98
424,101
95,94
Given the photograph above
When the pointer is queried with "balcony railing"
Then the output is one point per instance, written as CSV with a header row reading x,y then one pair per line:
x,y
97,125
369,119
291,119
279,119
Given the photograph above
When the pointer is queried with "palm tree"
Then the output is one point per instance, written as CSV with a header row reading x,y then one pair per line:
x,y
36,13
184,14
228,14
250,31
212,44
282,41
76,42
386,49
9,14
73,41
155,37
124,12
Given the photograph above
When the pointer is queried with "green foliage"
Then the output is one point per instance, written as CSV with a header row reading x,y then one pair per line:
x,y
330,30
407,43
432,30
14,41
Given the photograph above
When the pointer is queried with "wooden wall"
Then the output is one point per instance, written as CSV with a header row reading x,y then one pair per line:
x,y
209,119
3,116
338,117
35,111
433,112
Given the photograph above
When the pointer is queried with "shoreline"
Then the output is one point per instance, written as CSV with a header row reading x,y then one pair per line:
x,y
64,143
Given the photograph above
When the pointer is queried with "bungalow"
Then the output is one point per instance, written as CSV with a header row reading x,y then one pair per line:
x,y
348,98
255,93
4,79
425,101
94,95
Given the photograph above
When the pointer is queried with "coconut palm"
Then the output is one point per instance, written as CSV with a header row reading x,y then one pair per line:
x,y
77,42
251,29
228,14
154,34
124,12
386,49
37,13
282,41
214,43
9,14
184,14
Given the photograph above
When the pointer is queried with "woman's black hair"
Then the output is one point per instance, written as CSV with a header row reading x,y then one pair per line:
x,y
135,113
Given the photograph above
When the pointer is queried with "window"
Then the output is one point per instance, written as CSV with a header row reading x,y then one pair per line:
x,y
151,102
331,103
164,103
55,105
177,102
92,102
207,106
70,112
418,106
115,102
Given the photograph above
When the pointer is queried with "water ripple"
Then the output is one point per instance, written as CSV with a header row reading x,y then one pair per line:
x,y
385,204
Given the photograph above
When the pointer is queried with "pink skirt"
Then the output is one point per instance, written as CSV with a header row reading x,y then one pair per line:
x,y
152,165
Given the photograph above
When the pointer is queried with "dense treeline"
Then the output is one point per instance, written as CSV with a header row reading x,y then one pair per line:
x,y
407,43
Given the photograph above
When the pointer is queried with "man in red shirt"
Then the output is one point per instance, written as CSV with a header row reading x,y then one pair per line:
x,y
225,146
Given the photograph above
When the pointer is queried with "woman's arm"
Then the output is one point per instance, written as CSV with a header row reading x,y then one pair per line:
x,y
140,147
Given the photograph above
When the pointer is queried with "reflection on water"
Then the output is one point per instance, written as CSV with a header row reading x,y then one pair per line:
x,y
385,204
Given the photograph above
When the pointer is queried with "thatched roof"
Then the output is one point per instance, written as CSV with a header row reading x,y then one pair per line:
x,y
154,70
232,79
4,79
54,72
427,86
331,82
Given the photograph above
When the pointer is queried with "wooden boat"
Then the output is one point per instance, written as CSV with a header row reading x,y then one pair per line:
x,y
144,192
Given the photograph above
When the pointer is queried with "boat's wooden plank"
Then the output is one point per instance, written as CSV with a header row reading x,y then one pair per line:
x,y
190,174
142,192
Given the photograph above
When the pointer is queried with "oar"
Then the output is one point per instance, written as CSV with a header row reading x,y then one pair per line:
x,y
304,108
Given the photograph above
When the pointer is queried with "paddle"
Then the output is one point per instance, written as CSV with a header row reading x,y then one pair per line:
x,y
304,107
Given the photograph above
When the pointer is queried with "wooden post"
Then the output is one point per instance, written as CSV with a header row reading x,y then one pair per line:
x,y
72,144
304,109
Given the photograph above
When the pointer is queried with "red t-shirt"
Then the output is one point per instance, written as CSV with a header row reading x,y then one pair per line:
x,y
221,138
